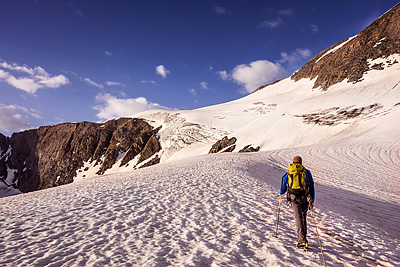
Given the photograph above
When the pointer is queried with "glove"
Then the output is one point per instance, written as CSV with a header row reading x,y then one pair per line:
x,y
310,203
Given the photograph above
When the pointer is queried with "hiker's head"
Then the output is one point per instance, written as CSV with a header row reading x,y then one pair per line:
x,y
297,159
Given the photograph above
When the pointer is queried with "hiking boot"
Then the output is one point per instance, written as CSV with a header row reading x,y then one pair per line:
x,y
302,245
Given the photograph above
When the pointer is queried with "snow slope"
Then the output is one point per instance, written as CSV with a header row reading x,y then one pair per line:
x,y
220,210
275,117
350,121
211,210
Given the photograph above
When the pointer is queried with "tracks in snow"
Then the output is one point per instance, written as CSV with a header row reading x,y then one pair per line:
x,y
210,210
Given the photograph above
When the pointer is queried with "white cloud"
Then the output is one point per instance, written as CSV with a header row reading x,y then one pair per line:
x,y
192,91
161,70
286,12
27,84
92,83
108,53
257,73
16,67
54,82
110,107
272,24
204,85
295,56
313,28
223,75
16,118
219,10
261,72
30,79
79,13
147,81
309,27
115,84
4,74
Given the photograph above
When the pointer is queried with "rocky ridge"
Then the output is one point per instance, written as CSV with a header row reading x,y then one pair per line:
x,y
349,59
51,155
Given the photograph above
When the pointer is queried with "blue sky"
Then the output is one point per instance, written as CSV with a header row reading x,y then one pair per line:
x,y
72,61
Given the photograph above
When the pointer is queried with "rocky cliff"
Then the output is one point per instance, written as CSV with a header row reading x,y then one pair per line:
x,y
52,155
351,58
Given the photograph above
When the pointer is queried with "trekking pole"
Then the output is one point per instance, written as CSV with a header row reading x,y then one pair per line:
x,y
277,219
279,209
319,241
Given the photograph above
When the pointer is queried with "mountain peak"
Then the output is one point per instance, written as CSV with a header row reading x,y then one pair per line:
x,y
349,59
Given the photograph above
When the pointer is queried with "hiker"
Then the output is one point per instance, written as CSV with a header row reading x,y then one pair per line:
x,y
299,183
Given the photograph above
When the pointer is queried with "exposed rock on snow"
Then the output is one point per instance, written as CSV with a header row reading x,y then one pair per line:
x,y
249,148
337,115
261,108
223,145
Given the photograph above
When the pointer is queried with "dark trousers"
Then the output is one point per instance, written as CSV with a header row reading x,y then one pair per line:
x,y
300,208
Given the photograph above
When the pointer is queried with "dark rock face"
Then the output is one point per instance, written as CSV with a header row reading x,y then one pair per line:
x,y
249,148
335,116
379,40
150,148
3,144
223,145
51,155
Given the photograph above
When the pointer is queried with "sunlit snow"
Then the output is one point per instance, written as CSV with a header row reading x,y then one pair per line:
x,y
195,209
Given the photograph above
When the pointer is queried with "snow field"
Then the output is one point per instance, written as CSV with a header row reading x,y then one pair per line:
x,y
220,210
212,210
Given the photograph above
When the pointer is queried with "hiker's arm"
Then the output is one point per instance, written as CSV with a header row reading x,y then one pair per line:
x,y
284,184
311,185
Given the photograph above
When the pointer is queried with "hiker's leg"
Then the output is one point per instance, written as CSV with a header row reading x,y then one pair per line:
x,y
304,208
298,216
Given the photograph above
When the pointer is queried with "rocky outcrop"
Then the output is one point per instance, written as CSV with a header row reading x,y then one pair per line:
x,y
335,116
228,145
4,144
249,148
223,145
349,59
51,155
